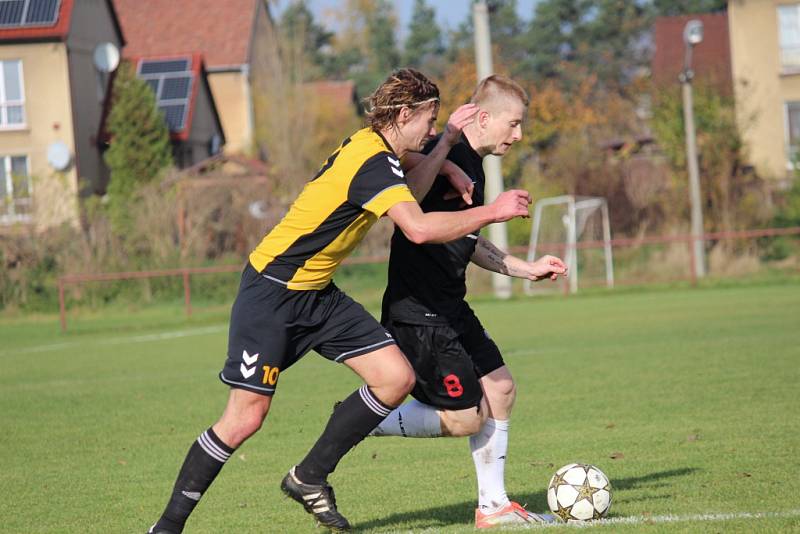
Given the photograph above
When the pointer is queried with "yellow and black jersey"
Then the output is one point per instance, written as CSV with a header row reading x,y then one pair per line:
x,y
358,184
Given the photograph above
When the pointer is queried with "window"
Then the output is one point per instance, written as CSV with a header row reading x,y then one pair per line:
x,y
15,189
12,95
789,25
792,133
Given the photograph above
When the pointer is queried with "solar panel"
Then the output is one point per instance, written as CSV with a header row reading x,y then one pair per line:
x,y
11,12
171,81
176,87
23,13
174,114
163,66
42,12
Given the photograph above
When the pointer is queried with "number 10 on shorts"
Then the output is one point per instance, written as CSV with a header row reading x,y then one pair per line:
x,y
270,375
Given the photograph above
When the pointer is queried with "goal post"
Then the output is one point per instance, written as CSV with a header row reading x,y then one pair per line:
x,y
576,213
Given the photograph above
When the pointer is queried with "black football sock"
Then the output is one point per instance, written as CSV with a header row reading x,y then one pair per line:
x,y
204,461
350,423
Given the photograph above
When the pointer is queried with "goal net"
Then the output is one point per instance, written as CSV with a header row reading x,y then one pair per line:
x,y
577,230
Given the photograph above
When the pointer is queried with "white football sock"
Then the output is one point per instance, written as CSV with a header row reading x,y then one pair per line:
x,y
489,447
411,420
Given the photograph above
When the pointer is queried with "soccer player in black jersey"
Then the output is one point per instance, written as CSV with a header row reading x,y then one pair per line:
x,y
463,387
287,304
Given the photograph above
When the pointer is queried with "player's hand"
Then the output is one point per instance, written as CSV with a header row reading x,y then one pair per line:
x,y
510,204
461,117
463,186
547,267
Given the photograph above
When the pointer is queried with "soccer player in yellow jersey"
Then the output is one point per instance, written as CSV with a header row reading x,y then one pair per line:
x,y
287,304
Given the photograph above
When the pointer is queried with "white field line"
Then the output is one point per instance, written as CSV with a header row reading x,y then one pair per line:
x,y
691,518
119,340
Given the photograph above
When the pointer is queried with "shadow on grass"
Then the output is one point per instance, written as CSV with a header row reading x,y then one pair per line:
x,y
461,513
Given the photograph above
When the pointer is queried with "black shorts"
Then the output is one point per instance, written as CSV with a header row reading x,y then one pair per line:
x,y
448,361
272,327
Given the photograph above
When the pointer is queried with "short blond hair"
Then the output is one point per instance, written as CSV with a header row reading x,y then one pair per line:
x,y
497,85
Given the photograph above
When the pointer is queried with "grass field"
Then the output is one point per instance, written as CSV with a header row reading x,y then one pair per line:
x,y
694,393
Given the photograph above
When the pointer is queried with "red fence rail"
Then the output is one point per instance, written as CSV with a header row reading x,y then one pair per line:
x,y
187,272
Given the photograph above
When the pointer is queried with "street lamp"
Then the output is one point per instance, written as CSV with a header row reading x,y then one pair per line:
x,y
692,35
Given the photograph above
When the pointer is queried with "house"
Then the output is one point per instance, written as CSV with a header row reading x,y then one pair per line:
x,y
180,85
711,58
765,53
51,105
232,37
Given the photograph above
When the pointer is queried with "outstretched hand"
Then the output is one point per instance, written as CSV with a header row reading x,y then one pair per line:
x,y
547,267
460,118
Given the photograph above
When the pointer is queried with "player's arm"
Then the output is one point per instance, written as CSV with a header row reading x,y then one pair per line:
x,y
441,227
461,183
421,169
493,259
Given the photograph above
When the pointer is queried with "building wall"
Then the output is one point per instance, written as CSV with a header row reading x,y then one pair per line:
x,y
204,127
92,23
232,97
48,119
761,88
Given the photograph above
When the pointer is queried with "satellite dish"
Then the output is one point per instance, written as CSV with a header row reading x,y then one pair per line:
x,y
106,57
58,156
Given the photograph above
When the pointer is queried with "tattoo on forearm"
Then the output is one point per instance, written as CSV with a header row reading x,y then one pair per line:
x,y
494,256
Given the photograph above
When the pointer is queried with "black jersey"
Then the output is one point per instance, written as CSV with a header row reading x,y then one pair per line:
x,y
427,283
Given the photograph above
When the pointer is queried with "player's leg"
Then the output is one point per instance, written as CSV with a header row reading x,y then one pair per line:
x,y
388,379
243,416
255,332
489,447
350,335
447,392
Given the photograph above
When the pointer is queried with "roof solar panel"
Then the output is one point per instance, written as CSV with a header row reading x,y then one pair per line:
x,y
174,115
23,13
173,88
11,12
164,66
171,81
42,12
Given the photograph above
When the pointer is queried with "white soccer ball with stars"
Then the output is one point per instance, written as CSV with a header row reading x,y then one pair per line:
x,y
579,492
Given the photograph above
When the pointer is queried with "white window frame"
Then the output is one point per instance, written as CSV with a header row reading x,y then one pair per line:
x,y
793,68
787,129
10,215
4,125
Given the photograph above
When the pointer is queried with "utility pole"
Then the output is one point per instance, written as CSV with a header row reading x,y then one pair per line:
x,y
491,164
692,35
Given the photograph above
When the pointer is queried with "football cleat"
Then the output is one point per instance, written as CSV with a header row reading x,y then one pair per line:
x,y
318,500
510,514
154,531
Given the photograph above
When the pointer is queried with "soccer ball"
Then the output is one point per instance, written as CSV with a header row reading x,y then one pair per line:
x,y
579,492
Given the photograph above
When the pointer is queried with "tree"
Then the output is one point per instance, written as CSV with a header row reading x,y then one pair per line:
x,y
140,147
424,42
685,7
303,42
367,37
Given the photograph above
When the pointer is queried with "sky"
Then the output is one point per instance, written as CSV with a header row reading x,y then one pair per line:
x,y
449,13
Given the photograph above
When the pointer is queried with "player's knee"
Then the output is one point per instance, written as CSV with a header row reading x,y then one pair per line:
x,y
405,381
502,394
462,423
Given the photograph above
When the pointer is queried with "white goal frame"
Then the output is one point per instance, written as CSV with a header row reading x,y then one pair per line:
x,y
574,205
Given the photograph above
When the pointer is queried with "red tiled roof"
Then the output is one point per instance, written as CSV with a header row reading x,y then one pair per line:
x,y
711,59
57,31
220,29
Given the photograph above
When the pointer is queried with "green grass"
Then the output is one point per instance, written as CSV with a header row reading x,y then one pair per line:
x,y
697,389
